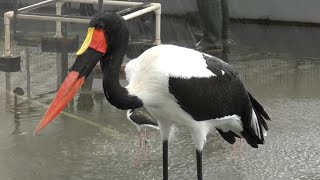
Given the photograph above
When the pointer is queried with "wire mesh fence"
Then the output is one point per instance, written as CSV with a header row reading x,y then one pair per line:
x,y
39,70
42,72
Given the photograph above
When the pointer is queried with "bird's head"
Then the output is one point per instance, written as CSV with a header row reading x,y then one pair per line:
x,y
107,35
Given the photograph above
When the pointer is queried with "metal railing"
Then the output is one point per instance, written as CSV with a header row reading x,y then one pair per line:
x,y
58,17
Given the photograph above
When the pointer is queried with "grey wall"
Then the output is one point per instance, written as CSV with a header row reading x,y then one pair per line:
x,y
285,10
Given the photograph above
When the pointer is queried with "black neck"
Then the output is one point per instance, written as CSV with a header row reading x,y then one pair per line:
x,y
116,94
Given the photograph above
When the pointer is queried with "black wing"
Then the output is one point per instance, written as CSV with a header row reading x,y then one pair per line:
x,y
141,117
219,96
214,97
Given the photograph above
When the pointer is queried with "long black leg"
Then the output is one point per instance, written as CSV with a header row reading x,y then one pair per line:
x,y
165,159
199,164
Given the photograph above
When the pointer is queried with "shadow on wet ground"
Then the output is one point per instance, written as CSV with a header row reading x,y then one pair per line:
x,y
280,65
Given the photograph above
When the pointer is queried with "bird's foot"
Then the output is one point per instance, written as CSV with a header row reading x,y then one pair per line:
x,y
236,147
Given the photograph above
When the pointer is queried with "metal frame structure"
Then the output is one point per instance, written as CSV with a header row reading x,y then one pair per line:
x,y
58,18
24,13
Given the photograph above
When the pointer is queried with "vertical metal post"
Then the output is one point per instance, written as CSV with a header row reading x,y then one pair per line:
x,y
66,10
62,67
27,50
7,53
7,40
59,5
58,23
157,40
100,6
64,64
8,89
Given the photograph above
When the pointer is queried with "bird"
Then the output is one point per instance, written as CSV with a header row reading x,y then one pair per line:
x,y
141,120
177,86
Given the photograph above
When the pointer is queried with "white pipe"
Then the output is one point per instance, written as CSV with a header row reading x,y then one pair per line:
x,y
153,7
7,37
59,5
7,53
52,18
35,6
142,11
157,39
79,20
107,2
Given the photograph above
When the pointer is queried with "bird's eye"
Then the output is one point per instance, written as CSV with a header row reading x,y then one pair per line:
x,y
100,26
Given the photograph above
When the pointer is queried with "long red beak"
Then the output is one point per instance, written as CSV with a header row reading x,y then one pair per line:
x,y
92,50
67,91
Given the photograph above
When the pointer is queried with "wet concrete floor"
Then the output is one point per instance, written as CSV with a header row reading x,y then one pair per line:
x,y
93,140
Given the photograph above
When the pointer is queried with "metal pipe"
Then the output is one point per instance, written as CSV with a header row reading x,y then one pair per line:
x,y
7,53
59,5
133,8
7,38
59,69
35,6
157,39
107,2
80,20
156,7
27,50
54,15
151,8
59,18
52,18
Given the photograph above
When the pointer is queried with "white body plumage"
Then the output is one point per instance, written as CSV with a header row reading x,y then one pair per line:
x,y
148,77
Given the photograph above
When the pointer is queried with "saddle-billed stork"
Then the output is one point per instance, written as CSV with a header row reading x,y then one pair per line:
x,y
176,85
141,120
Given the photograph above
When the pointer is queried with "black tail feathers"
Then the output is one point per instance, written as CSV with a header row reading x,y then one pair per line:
x,y
259,107
255,132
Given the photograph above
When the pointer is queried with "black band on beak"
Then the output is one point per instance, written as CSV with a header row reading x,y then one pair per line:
x,y
85,62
